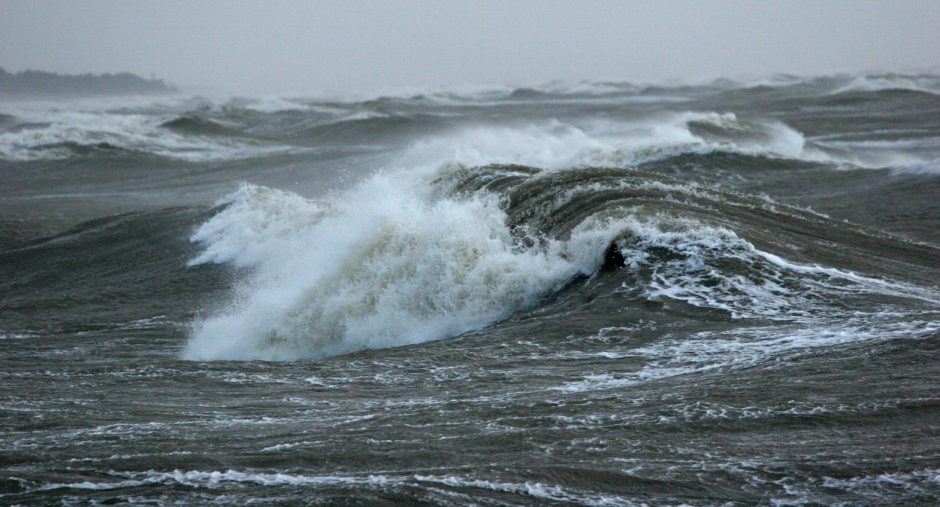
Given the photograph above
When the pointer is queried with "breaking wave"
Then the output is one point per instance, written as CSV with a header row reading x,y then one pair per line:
x,y
557,144
384,266
63,135
410,257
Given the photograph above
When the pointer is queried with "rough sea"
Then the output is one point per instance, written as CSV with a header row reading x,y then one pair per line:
x,y
598,293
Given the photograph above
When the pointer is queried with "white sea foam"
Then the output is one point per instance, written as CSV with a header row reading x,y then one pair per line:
x,y
873,83
50,130
912,155
21,335
363,115
895,487
266,104
742,348
555,144
809,306
551,145
715,268
215,479
382,265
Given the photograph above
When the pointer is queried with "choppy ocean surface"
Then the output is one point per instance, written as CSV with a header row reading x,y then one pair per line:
x,y
589,293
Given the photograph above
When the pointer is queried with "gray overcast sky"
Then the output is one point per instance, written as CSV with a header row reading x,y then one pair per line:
x,y
288,46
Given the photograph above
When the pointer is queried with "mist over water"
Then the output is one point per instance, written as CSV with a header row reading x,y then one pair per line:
x,y
599,293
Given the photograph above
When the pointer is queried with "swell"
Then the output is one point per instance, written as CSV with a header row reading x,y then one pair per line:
x,y
198,125
120,268
216,133
54,135
907,97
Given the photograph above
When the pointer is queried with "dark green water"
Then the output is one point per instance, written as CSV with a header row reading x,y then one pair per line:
x,y
622,295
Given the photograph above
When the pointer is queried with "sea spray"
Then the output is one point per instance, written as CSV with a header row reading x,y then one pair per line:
x,y
386,265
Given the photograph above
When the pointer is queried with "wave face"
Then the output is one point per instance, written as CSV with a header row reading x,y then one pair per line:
x,y
598,293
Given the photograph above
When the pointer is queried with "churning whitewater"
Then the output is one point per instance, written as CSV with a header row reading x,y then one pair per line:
x,y
589,293
381,266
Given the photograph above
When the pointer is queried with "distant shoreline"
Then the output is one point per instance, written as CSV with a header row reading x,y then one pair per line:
x,y
41,84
